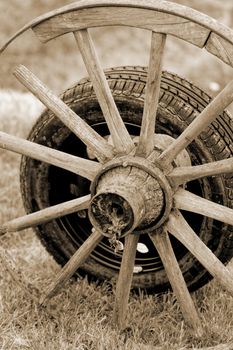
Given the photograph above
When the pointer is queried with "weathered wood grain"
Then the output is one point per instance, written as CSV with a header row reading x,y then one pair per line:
x,y
157,15
181,175
124,281
72,265
154,5
142,194
180,229
220,47
146,139
191,202
163,245
83,167
97,144
119,134
116,16
46,215
206,117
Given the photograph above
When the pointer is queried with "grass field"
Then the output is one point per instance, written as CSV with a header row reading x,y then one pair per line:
x,y
80,318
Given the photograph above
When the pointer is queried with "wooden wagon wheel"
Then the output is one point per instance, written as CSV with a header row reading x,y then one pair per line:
x,y
138,183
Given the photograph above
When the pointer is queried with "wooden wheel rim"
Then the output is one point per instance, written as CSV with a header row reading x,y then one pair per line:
x,y
218,40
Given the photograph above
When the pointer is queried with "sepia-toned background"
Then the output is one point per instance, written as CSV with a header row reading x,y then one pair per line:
x,y
59,63
80,318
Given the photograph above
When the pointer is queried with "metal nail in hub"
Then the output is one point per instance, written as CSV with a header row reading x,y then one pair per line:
x,y
128,195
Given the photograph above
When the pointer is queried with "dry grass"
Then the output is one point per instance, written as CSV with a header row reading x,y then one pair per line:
x,y
81,317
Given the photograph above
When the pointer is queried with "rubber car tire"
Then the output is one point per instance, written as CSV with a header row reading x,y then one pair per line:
x,y
43,185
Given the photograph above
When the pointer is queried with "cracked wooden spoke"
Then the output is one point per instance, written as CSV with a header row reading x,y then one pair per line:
x,y
146,139
180,229
120,136
188,201
97,144
163,245
77,165
206,117
124,280
181,175
46,215
72,265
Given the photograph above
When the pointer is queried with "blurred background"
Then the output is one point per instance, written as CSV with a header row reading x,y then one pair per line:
x,y
59,64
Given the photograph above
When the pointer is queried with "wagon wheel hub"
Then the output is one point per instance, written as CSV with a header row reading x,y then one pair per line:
x,y
129,196
132,193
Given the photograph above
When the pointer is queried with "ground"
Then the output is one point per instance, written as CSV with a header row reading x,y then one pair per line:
x,y
80,318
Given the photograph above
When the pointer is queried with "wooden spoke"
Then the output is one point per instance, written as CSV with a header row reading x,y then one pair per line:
x,y
77,165
120,136
125,280
146,139
72,265
46,215
181,175
206,117
77,125
179,228
163,245
188,201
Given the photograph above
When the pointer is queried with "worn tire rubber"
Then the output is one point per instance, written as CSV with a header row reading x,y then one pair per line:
x,y
180,102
